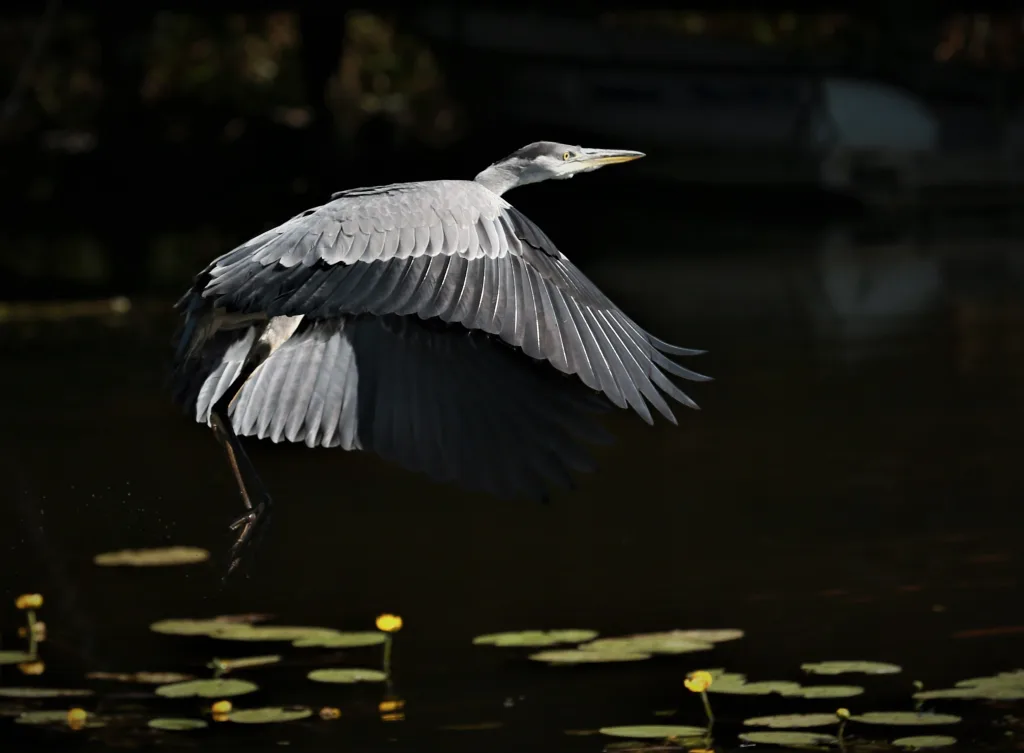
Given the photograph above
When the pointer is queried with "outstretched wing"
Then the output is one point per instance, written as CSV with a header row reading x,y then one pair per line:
x,y
455,251
431,397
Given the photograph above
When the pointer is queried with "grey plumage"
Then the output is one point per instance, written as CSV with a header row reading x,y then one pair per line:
x,y
395,319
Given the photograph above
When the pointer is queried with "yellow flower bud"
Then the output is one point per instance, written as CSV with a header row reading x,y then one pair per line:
x,y
389,623
29,601
698,682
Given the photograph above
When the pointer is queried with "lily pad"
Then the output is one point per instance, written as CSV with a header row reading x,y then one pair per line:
x,y
824,691
924,742
15,657
177,725
242,662
269,715
143,678
1006,686
219,688
653,731
905,718
156,557
793,721
337,639
580,656
55,717
44,693
187,626
244,632
711,635
649,643
846,667
788,738
347,676
736,684
535,638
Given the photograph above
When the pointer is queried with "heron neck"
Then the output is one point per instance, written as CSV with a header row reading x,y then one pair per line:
x,y
498,178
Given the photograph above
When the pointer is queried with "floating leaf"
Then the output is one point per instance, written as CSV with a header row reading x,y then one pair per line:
x,y
156,557
347,676
579,656
535,638
1006,686
650,643
905,718
145,678
218,688
243,632
649,731
788,738
15,657
717,635
845,667
824,691
177,725
269,714
793,721
736,684
337,639
55,717
242,662
43,693
187,626
923,742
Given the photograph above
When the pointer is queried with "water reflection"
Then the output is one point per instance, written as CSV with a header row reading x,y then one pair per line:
x,y
849,490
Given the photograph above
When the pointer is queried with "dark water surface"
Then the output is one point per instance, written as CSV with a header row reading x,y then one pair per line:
x,y
851,489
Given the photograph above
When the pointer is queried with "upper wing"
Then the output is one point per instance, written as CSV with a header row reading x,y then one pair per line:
x,y
427,396
456,251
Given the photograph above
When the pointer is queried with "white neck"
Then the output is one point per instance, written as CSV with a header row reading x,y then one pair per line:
x,y
498,178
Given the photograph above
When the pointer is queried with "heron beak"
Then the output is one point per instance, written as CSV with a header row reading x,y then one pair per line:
x,y
602,157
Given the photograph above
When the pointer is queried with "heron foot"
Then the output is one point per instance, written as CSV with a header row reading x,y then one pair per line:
x,y
250,527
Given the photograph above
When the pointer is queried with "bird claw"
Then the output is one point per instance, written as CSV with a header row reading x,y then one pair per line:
x,y
252,525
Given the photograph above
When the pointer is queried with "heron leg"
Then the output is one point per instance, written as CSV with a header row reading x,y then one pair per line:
x,y
253,521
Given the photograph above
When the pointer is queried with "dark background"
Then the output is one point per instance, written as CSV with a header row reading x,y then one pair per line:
x,y
851,487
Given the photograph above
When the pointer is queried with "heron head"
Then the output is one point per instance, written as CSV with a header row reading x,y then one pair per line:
x,y
547,160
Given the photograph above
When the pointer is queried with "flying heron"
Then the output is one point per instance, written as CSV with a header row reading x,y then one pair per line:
x,y
431,323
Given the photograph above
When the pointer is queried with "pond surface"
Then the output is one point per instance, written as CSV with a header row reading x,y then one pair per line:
x,y
851,489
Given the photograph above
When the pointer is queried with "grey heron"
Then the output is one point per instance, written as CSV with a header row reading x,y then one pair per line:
x,y
431,323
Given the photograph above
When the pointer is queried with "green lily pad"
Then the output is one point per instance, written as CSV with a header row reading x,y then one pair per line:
x,y
905,718
177,725
219,688
188,626
15,657
793,721
711,635
269,715
347,676
143,678
789,738
337,639
55,717
579,656
535,638
44,693
924,742
846,667
736,684
156,557
824,691
650,643
242,662
244,632
653,731
1006,686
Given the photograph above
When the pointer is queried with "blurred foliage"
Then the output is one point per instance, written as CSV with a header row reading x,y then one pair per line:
x,y
244,67
384,72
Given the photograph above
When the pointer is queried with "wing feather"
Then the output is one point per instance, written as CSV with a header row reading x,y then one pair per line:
x,y
454,251
453,403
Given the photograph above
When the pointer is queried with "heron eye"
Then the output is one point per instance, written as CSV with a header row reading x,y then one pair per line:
x,y
566,155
